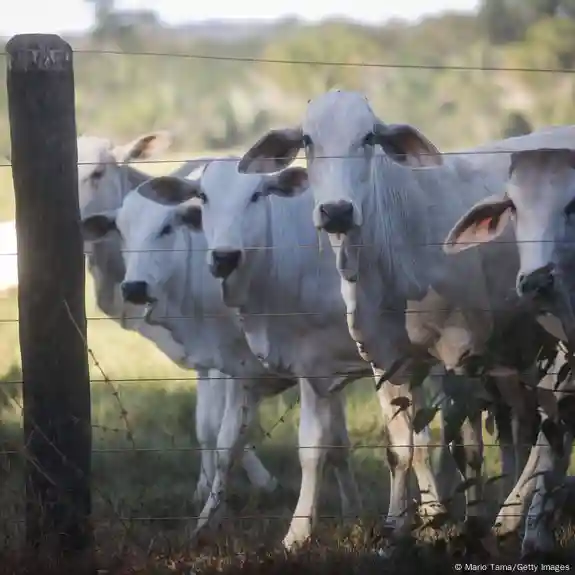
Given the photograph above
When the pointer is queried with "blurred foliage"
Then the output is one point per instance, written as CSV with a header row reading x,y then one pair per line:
x,y
214,103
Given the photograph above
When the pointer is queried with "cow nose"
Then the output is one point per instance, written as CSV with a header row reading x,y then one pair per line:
x,y
336,217
136,293
539,282
224,262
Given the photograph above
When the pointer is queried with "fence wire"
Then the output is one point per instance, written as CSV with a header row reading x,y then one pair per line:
x,y
295,158
267,434
339,64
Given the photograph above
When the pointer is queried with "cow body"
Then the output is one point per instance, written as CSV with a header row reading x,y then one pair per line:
x,y
537,204
105,178
265,251
287,291
166,269
386,215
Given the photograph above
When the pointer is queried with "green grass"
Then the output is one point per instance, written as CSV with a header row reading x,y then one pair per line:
x,y
159,481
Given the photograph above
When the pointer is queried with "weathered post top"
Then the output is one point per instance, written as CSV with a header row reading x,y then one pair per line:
x,y
38,52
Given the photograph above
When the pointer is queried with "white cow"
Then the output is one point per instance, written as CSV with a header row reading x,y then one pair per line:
x,y
386,216
264,251
105,177
539,202
166,269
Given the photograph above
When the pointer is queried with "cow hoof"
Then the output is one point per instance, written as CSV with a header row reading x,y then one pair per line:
x,y
506,526
292,542
432,509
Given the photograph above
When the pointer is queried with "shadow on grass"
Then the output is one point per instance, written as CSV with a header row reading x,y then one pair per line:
x,y
148,484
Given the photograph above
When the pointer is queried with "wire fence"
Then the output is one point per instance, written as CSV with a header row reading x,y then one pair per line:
x,y
339,64
463,153
133,477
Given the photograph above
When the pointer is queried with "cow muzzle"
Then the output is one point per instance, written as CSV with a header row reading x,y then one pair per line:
x,y
137,293
336,217
539,283
224,262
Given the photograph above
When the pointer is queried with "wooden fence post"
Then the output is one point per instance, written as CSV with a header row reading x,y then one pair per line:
x,y
52,316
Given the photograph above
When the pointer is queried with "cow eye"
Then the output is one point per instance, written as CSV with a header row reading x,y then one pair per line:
x,y
369,139
167,229
97,174
570,208
202,197
307,144
255,197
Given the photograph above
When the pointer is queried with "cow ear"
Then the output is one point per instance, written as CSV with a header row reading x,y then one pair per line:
x,y
143,147
407,144
484,222
272,152
95,228
289,183
169,190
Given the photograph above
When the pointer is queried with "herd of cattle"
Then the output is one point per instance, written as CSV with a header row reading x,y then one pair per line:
x,y
245,270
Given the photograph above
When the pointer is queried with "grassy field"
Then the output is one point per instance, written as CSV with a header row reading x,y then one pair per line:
x,y
157,479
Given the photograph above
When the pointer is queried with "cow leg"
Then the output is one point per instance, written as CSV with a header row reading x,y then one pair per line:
x,y
523,416
210,405
511,513
506,425
522,441
257,473
339,458
446,471
407,449
468,455
239,414
316,433
445,466
538,535
515,441
213,388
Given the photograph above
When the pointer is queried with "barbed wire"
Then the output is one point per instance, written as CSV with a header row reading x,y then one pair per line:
x,y
341,63
260,517
298,157
205,250
226,315
98,365
24,452
175,379
194,449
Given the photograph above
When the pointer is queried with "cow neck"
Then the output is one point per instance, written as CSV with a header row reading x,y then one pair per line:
x,y
262,267
181,294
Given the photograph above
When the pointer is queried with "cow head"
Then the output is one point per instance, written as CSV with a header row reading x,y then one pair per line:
x,y
339,136
102,181
540,200
150,239
233,216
